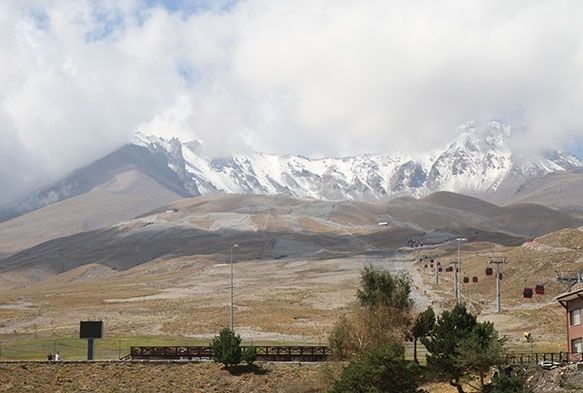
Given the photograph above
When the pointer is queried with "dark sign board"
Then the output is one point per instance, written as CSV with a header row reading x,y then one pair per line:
x,y
91,329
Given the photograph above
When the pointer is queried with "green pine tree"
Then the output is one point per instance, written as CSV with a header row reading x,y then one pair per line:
x,y
227,348
422,327
450,329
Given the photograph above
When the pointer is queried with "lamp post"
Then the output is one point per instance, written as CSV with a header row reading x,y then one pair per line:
x,y
458,294
231,314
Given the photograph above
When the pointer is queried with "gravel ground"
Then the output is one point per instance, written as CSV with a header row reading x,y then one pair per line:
x,y
562,379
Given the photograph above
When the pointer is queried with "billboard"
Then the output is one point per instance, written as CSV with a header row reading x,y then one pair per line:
x,y
91,329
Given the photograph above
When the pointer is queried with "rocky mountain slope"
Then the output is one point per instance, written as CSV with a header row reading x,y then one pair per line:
x,y
274,227
480,162
560,190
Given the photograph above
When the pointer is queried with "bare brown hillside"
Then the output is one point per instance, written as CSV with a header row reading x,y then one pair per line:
x,y
533,263
562,190
128,194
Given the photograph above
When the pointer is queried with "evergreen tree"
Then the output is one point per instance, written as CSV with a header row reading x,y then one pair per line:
x,y
482,349
381,369
422,327
447,334
250,355
227,348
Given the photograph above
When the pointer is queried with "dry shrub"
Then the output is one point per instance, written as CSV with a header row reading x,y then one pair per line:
x,y
320,381
360,329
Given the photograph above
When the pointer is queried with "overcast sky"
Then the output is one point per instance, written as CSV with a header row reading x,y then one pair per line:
x,y
313,77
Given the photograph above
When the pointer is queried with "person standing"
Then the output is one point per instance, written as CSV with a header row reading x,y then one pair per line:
x,y
57,357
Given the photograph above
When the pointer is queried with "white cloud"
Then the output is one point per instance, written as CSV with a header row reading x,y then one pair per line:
x,y
312,77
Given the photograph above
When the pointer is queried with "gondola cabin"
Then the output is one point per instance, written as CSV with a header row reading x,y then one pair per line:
x,y
475,279
489,271
539,289
527,293
466,280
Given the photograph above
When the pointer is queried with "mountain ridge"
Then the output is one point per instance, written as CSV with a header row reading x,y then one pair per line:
x,y
480,162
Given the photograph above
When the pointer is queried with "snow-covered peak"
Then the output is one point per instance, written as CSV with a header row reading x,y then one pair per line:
x,y
479,161
490,136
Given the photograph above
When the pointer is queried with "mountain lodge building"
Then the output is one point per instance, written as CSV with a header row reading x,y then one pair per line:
x,y
573,303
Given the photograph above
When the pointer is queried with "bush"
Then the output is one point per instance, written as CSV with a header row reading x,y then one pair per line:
x,y
508,383
381,369
340,339
383,312
250,355
227,348
381,288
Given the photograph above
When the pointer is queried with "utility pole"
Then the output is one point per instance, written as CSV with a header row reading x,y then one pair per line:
x,y
455,279
231,308
570,278
436,266
498,262
459,241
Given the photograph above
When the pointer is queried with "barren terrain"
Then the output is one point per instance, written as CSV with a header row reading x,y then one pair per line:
x,y
166,377
166,274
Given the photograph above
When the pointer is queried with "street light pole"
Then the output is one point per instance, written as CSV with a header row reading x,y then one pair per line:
x,y
231,308
459,266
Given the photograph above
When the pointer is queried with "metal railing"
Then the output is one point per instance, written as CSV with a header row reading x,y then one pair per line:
x,y
274,353
527,358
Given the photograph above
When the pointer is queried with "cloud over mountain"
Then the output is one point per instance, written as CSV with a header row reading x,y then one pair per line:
x,y
315,77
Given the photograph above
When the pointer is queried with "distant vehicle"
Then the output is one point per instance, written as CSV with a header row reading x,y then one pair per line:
x,y
549,365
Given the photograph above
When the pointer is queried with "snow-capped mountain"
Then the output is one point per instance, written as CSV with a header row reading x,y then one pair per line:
x,y
480,161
